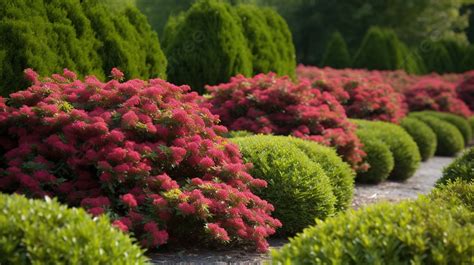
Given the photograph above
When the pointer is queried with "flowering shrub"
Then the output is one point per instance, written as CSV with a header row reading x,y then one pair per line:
x,y
363,94
271,105
465,90
431,93
146,153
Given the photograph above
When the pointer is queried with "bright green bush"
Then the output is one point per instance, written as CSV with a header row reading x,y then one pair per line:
x,y
459,122
450,139
208,46
83,36
340,173
379,158
235,134
412,232
458,192
336,54
39,232
297,187
424,137
461,168
283,39
404,150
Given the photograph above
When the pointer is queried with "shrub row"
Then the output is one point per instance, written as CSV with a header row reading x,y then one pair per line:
x,y
462,168
305,180
404,150
213,41
379,158
407,233
45,232
423,135
449,139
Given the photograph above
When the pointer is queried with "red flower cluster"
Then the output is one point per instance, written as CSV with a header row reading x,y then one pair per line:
x,y
465,90
148,154
271,105
363,94
431,93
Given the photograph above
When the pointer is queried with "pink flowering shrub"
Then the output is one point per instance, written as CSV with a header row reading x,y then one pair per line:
x,y
364,94
146,153
465,90
271,105
431,93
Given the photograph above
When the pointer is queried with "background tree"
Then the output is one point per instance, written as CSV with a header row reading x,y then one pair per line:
x,y
336,54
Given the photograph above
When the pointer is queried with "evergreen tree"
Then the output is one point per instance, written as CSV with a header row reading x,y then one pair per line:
x,y
456,52
436,58
375,53
336,54
208,47
467,63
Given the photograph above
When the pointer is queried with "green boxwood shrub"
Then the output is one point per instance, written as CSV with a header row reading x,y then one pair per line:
x,y
424,137
462,168
235,134
297,187
459,122
404,149
412,232
379,158
45,232
336,54
207,46
450,139
83,36
340,173
455,193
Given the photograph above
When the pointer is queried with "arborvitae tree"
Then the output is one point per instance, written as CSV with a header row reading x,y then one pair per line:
x,y
284,41
336,54
456,52
83,36
436,58
208,47
374,53
259,35
468,61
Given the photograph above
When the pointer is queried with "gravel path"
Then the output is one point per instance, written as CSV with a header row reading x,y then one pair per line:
x,y
421,183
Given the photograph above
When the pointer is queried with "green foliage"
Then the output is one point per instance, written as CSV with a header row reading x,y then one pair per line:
x,y
456,51
208,46
404,150
423,135
436,57
468,61
283,40
297,187
412,232
449,139
471,123
39,232
336,54
340,173
458,192
462,168
83,36
459,122
379,158
235,134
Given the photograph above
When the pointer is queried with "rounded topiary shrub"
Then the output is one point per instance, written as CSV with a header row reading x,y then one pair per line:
x,y
457,192
339,173
449,139
208,46
336,54
275,105
404,150
84,36
297,187
45,232
462,168
146,153
379,158
423,135
420,232
459,122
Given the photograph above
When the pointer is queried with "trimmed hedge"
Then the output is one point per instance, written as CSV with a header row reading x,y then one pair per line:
x,y
45,232
450,139
297,187
458,192
459,122
379,158
419,232
423,135
208,46
404,150
461,168
340,174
